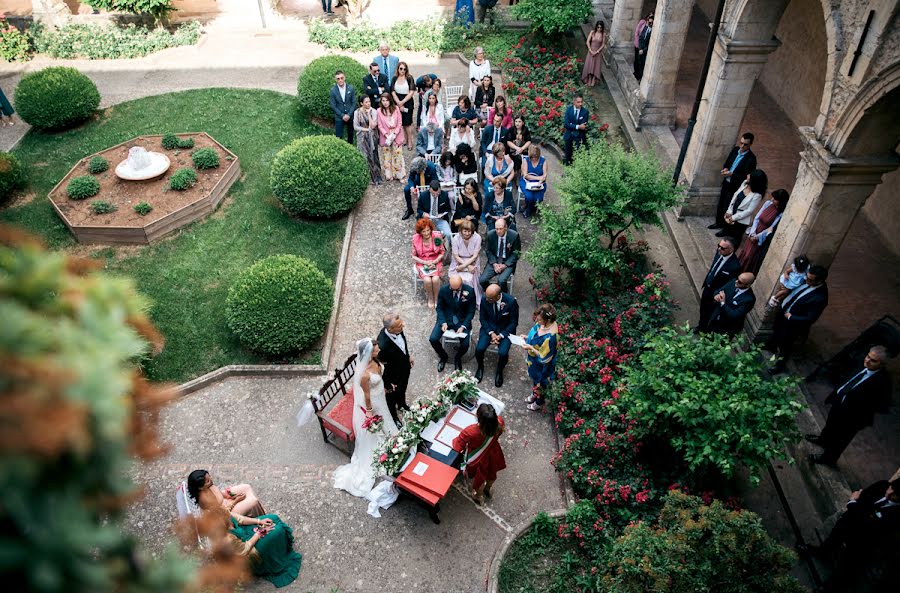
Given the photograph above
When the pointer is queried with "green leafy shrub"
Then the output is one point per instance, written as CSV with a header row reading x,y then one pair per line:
x,y
82,187
170,141
102,207
551,17
143,208
14,44
185,143
56,98
695,547
280,305
98,164
711,401
319,176
205,158
109,41
11,175
317,78
183,179
158,9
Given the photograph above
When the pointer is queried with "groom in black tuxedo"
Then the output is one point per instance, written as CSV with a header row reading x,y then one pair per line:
x,y
397,362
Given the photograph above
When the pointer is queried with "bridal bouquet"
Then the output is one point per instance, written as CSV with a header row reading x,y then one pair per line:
x,y
460,386
372,424
392,452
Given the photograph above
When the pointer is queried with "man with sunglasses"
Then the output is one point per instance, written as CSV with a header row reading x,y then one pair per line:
x,y
725,267
374,83
740,162
342,100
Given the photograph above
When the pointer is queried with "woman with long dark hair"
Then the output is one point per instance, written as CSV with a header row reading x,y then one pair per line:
x,y
482,454
403,91
759,234
596,42
743,205
239,499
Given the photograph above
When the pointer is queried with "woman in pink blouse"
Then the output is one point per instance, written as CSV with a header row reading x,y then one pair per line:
x,y
391,139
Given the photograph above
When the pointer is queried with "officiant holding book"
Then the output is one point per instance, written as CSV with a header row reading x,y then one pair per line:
x,y
394,353
455,312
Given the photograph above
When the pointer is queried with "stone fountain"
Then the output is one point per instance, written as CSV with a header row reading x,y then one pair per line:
x,y
142,164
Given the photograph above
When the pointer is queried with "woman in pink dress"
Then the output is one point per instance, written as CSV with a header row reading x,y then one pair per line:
x,y
428,252
391,139
466,260
596,42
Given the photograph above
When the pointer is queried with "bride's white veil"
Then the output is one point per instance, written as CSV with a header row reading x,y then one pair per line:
x,y
363,357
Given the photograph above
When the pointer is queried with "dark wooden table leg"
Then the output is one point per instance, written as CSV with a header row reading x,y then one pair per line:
x,y
433,513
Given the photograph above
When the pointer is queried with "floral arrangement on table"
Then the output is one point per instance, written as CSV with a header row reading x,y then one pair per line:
x,y
391,453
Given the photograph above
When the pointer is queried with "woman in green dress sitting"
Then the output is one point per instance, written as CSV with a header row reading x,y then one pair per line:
x,y
266,541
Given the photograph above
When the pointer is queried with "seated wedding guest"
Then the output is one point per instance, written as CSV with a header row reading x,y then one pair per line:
x,y
436,91
500,206
390,139
461,134
421,174
491,135
466,260
518,141
430,139
464,111
533,180
468,206
743,205
466,164
435,204
499,317
503,248
428,251
433,112
760,232
504,111
540,347
455,311
365,124
484,97
446,170
423,85
374,83
239,499
498,165
793,277
479,67
480,445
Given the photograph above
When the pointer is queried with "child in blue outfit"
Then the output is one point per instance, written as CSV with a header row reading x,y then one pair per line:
x,y
792,278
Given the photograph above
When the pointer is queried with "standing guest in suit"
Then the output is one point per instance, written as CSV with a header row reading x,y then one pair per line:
x,y
725,267
375,83
435,205
743,205
503,247
386,62
430,140
800,310
480,444
853,406
342,100
637,38
394,353
740,162
455,311
576,123
499,316
421,174
643,46
734,301
491,135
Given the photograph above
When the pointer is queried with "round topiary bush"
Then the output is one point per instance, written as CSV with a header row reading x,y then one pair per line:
x,y
182,179
205,158
98,164
83,187
170,141
56,98
317,78
11,175
319,176
280,305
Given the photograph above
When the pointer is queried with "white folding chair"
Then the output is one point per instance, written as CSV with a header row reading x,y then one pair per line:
x,y
434,158
188,508
416,281
451,95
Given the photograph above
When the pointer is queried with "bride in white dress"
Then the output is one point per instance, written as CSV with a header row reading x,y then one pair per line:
x,y
358,476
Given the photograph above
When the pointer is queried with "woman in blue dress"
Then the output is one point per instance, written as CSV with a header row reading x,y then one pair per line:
x,y
533,175
540,354
465,11
497,165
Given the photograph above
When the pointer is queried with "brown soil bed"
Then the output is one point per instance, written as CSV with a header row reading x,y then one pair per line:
x,y
126,194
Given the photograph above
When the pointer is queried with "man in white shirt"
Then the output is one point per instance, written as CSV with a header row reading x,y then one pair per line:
x,y
342,100
394,354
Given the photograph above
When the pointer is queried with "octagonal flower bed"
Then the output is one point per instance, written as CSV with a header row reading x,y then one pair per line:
x,y
120,222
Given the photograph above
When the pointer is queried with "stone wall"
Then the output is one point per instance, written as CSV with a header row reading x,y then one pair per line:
x,y
795,74
883,210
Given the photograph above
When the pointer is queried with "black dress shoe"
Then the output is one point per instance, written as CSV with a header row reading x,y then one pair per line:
x,y
821,459
722,233
407,214
813,438
441,365
714,225
498,380
457,364
479,374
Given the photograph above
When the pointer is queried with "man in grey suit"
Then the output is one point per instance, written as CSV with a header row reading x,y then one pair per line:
x,y
342,100
503,247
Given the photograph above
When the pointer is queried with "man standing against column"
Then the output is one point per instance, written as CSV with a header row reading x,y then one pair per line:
x,y
853,407
740,162
575,123
799,311
342,100
725,267
643,47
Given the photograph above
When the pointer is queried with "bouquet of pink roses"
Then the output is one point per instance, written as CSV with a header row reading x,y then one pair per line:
x,y
372,424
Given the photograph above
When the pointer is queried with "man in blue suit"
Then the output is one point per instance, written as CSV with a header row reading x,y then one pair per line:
x,y
499,317
576,123
490,135
421,173
455,311
386,62
799,311
733,302
342,100
434,203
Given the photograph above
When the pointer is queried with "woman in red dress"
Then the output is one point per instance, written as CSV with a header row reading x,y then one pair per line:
x,y
480,445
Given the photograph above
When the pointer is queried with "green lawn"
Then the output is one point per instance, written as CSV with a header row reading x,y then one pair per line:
x,y
187,276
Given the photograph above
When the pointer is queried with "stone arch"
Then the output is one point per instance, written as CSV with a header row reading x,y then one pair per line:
x,y
868,126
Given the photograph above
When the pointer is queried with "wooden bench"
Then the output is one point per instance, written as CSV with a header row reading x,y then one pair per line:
x,y
334,407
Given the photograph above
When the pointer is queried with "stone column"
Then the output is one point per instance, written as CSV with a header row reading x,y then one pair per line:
x,y
53,13
655,105
733,70
828,195
626,15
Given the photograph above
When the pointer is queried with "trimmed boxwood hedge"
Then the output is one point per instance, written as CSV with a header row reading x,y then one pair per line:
x,y
205,158
82,187
319,176
317,78
280,305
98,165
56,98
182,179
11,175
